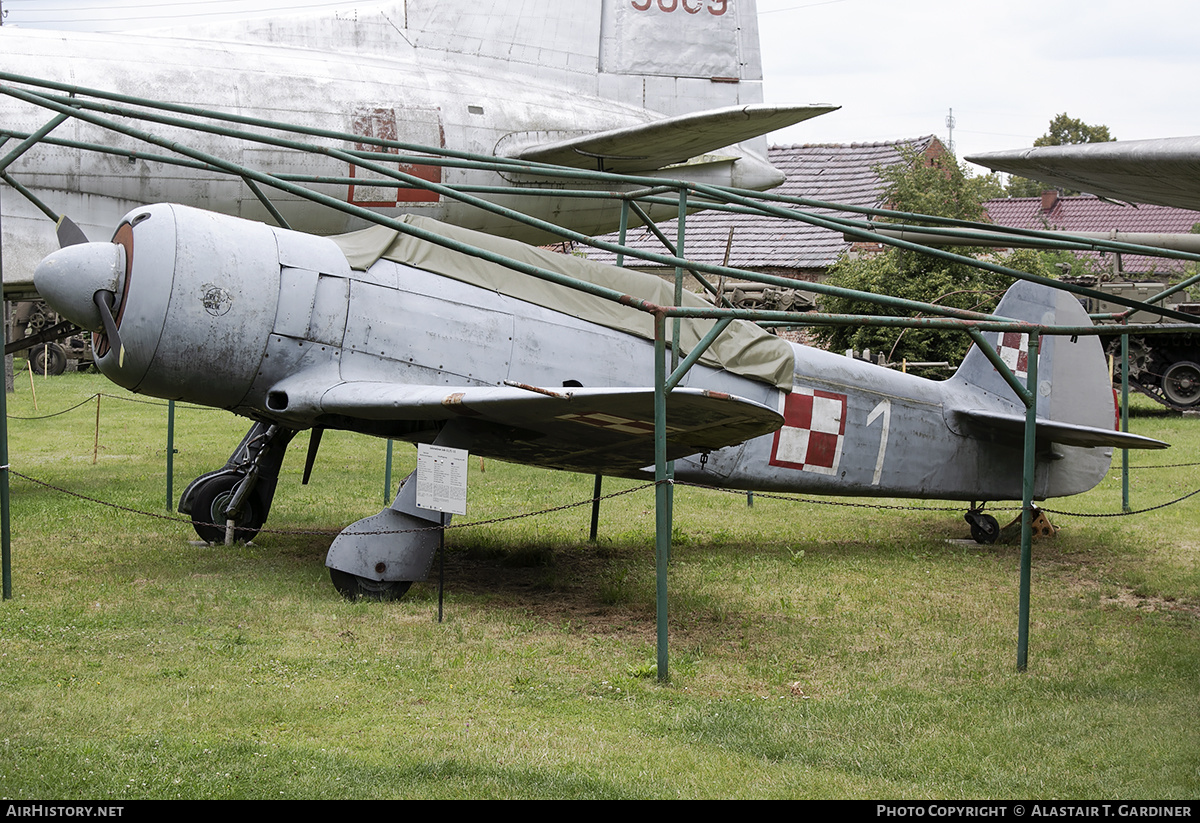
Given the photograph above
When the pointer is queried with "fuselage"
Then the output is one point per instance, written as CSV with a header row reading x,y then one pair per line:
x,y
225,312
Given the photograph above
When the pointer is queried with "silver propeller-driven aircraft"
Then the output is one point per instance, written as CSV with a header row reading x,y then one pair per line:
x,y
630,86
395,335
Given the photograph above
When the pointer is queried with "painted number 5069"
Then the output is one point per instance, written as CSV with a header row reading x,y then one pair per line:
x,y
714,7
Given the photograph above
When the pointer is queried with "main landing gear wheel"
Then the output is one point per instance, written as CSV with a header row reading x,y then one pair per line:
x,y
1181,383
208,511
49,359
352,587
984,528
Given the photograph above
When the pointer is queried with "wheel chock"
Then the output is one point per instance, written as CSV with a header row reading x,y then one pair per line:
x,y
1041,527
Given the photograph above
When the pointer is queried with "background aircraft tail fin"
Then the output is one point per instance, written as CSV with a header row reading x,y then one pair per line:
x,y
669,56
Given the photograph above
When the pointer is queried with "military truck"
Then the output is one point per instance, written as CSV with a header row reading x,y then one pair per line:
x,y
1163,366
36,329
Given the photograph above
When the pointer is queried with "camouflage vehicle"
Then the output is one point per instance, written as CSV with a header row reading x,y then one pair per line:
x,y
1163,366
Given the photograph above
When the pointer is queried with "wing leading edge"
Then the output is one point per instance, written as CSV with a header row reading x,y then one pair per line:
x,y
592,430
666,142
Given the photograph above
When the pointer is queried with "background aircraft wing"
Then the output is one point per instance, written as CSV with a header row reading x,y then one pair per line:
x,y
1162,172
669,141
609,430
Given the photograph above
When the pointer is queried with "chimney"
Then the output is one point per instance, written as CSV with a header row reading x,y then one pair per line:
x,y
1049,199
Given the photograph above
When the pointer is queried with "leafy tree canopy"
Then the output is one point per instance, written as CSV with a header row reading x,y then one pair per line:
x,y
945,189
1068,131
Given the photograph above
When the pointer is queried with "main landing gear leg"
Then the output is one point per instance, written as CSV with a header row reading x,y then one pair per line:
x,y
379,557
242,490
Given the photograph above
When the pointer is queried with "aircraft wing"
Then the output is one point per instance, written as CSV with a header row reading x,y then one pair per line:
x,y
982,423
1162,172
609,430
649,146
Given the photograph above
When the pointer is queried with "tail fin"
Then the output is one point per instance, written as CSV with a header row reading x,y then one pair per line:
x,y
680,56
669,56
1076,413
1074,385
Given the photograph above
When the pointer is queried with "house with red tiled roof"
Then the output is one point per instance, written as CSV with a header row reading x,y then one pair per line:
x,y
836,173
1088,213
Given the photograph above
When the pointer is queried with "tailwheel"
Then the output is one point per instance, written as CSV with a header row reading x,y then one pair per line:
x,y
208,511
984,528
353,587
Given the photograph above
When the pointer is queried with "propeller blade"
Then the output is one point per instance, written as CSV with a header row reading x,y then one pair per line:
x,y
68,233
105,300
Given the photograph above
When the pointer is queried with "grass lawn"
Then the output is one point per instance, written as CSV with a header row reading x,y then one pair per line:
x,y
816,650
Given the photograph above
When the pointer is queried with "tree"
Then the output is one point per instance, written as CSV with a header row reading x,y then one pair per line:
x,y
1064,131
942,188
1068,131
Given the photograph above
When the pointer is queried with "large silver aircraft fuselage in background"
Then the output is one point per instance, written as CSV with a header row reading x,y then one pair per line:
x,y
670,89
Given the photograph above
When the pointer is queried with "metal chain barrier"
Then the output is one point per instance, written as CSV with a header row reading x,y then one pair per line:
x,y
1126,514
57,413
787,499
589,501
189,522
87,400
942,508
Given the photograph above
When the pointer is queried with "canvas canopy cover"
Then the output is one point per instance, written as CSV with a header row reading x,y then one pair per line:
x,y
743,349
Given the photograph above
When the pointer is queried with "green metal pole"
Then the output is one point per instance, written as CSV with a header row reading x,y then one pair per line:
x,y
1027,487
679,237
662,499
170,453
1125,421
679,371
5,531
387,475
676,323
622,231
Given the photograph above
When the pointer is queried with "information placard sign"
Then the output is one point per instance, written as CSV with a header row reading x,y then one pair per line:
x,y
442,479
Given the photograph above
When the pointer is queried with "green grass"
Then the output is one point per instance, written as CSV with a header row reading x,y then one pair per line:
x,y
816,651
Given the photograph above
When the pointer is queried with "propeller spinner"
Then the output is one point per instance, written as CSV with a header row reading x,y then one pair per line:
x,y
80,282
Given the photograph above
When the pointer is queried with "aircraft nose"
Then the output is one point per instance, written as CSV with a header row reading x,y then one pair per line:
x,y
69,278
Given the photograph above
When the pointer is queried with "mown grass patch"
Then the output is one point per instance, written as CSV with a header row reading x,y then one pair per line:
x,y
816,651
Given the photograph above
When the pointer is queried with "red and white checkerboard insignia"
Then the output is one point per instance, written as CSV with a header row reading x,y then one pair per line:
x,y
813,431
1014,351
612,422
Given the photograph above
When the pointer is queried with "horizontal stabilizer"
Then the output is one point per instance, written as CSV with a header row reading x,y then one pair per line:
x,y
669,141
982,422
593,430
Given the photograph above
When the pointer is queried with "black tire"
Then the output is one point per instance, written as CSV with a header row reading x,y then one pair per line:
x,y
984,528
208,511
48,359
1181,384
353,587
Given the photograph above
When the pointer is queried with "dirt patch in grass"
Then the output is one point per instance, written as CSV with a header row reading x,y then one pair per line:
x,y
595,590
1129,599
